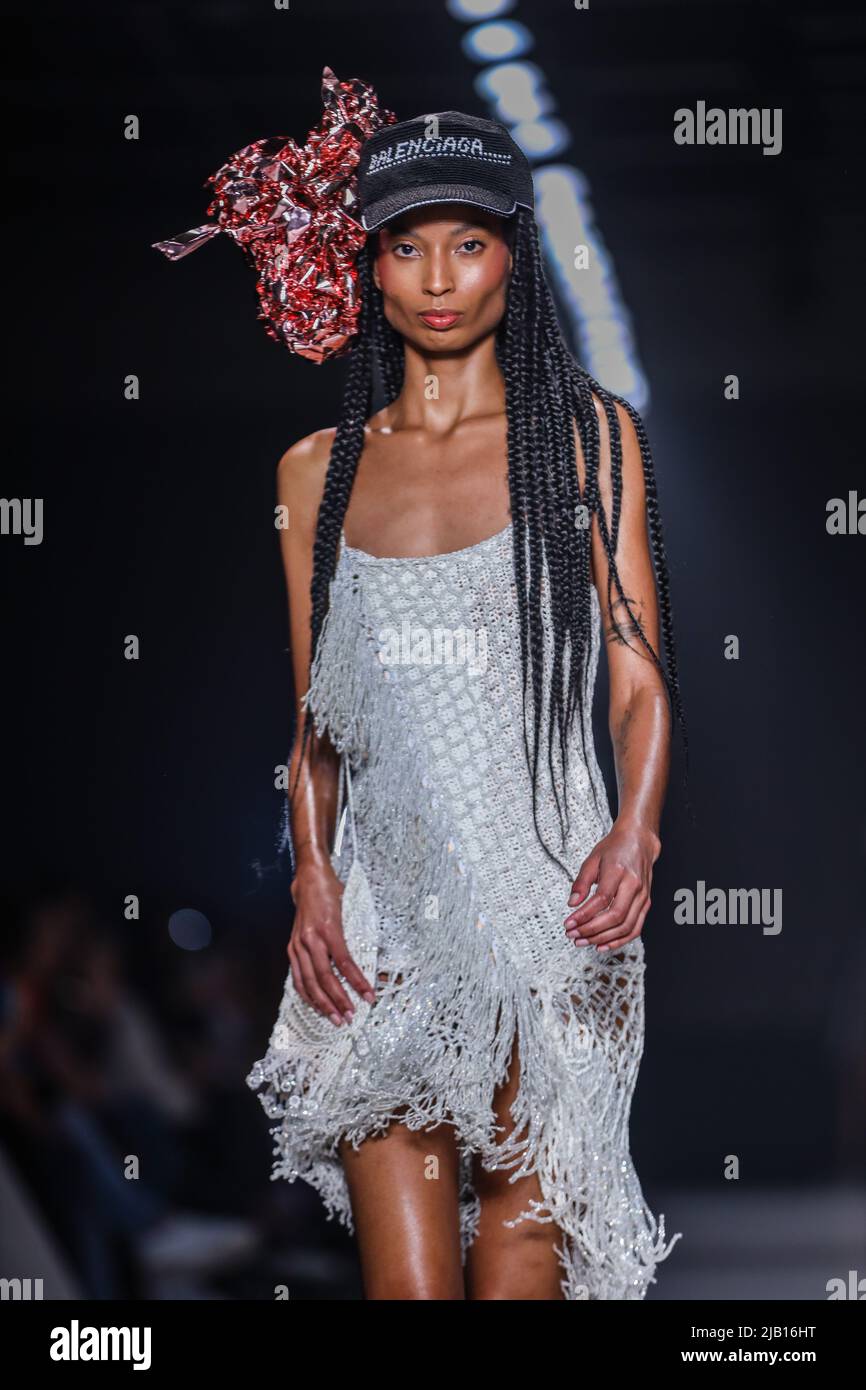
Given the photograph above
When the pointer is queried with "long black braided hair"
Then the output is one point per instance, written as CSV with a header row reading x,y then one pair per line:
x,y
546,390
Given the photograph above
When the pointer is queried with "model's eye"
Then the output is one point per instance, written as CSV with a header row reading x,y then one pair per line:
x,y
472,241
397,246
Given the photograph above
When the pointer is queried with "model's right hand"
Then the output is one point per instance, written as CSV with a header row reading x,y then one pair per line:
x,y
317,940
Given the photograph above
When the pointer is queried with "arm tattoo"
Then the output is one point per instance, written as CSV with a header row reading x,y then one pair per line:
x,y
622,736
619,631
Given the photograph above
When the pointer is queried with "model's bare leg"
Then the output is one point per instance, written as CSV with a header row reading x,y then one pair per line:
x,y
404,1191
404,1187
518,1262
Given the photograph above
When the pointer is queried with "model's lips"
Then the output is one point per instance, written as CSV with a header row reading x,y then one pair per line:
x,y
440,318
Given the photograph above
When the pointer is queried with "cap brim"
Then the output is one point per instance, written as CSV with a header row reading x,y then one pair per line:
x,y
376,213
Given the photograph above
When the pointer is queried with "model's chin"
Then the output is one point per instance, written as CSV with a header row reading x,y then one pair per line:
x,y
424,336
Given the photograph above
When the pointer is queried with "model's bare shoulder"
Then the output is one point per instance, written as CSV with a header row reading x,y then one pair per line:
x,y
632,463
308,457
625,422
301,474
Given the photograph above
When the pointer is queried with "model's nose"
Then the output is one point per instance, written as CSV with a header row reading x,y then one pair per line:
x,y
437,277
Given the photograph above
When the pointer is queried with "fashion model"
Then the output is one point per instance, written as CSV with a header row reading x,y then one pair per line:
x,y
462,1023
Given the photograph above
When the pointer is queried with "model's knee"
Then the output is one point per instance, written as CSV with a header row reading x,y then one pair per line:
x,y
420,1288
521,1264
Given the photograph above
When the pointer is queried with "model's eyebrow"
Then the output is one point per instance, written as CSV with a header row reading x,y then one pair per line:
x,y
458,231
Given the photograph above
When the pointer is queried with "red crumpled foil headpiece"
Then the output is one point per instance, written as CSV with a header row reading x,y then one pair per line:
x,y
290,209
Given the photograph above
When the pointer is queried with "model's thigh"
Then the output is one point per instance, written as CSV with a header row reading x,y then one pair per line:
x,y
404,1191
518,1262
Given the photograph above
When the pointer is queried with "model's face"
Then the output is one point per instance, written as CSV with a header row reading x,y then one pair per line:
x,y
452,258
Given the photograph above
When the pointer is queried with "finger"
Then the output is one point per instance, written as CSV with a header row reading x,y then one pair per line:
x,y
315,994
585,879
628,889
297,977
303,968
348,968
327,980
635,931
628,930
601,899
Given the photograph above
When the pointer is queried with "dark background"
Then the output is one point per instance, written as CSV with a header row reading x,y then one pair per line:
x,y
155,777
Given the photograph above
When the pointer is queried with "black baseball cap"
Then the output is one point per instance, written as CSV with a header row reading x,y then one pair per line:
x,y
468,160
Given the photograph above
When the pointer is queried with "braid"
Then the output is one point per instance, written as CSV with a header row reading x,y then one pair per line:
x,y
342,467
546,391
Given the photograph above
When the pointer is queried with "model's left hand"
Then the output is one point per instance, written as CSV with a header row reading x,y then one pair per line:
x,y
622,866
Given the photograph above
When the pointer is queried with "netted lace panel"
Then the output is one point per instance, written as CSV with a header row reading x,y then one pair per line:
x,y
418,682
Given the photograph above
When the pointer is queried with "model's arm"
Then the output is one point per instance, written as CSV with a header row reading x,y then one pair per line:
x,y
622,863
317,938
299,484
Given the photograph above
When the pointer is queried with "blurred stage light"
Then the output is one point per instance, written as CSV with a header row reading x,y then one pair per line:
x,y
470,11
605,342
542,139
515,91
189,929
518,97
488,43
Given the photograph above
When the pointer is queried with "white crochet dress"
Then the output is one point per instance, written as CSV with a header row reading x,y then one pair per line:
x,y
453,907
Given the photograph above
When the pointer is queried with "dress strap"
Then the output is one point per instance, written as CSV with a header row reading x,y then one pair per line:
x,y
348,806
